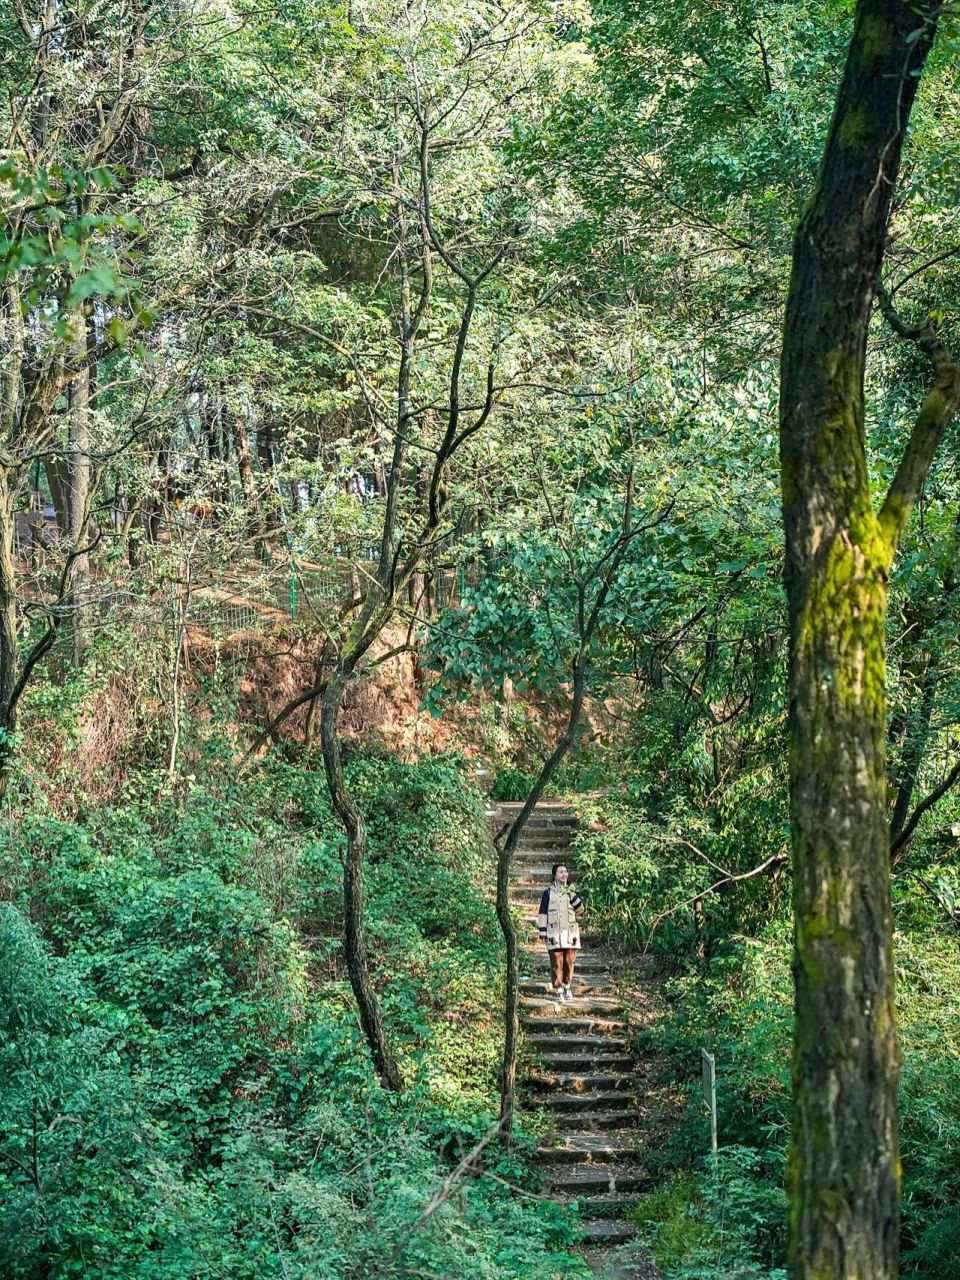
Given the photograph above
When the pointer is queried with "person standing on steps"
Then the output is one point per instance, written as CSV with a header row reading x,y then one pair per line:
x,y
559,927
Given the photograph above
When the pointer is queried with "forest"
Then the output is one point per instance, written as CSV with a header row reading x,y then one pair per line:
x,y
441,442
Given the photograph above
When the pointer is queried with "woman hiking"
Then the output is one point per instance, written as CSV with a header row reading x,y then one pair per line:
x,y
558,926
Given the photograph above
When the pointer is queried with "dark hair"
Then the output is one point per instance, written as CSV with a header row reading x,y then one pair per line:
x,y
553,869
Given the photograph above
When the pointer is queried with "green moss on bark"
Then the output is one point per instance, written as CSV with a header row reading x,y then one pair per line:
x,y
876,40
856,128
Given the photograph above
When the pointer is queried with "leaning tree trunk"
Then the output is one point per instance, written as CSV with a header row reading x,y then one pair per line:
x,y
844,1169
354,934
506,847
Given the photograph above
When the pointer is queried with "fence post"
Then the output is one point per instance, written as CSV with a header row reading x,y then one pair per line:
x,y
710,1093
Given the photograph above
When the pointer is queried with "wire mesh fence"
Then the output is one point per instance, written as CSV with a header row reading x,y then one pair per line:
x,y
227,599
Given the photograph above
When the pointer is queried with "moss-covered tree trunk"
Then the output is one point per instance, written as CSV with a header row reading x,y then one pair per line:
x,y
844,1166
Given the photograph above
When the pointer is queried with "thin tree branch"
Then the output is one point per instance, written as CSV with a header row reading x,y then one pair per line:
x,y
775,860
899,842
939,407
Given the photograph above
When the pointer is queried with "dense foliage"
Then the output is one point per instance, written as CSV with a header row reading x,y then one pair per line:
x,y
184,1086
323,321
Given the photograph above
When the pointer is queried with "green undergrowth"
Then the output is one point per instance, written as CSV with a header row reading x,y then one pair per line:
x,y
726,1219
645,850
184,1085
722,1223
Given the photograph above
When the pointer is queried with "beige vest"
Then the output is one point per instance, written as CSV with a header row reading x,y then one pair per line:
x,y
563,929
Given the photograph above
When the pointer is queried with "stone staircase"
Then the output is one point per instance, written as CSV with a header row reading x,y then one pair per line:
x,y
580,1070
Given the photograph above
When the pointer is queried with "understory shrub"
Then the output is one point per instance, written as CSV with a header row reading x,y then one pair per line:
x,y
724,1223
185,1087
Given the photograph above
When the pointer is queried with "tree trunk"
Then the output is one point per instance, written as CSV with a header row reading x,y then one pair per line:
x,y
158,507
353,890
511,1012
916,739
310,723
844,1170
9,647
57,478
78,490
272,499
248,483
135,531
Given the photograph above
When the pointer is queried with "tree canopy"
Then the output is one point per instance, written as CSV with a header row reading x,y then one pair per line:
x,y
392,391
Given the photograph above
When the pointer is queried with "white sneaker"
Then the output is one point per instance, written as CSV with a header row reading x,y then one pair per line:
x,y
561,994
568,991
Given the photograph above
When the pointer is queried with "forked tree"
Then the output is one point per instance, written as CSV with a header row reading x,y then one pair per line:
x,y
450,111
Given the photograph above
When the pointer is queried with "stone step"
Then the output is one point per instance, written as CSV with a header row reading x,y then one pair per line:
x,y
596,1121
584,985
579,1060
522,895
539,862
602,1098
587,1083
539,832
547,1044
607,1231
610,1204
573,1022
562,832
601,989
580,1179
529,859
545,810
610,1005
539,829
586,976
591,1148
563,815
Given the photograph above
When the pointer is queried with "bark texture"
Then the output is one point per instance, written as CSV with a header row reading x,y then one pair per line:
x,y
78,487
844,1172
354,934
9,649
